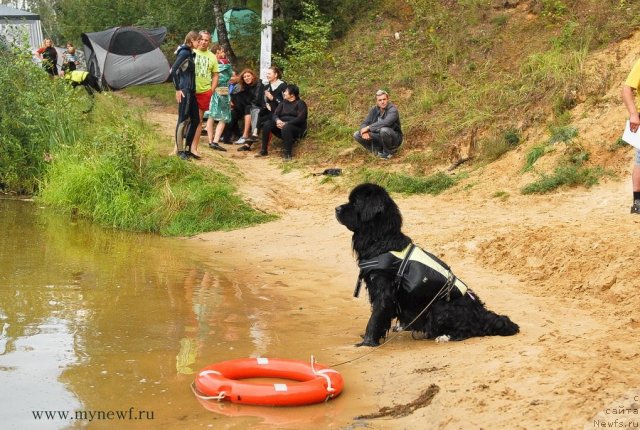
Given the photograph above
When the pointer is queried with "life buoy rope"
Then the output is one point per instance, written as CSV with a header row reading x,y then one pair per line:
x,y
312,382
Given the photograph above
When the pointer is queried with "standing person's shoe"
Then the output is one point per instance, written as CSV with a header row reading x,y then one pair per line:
x,y
261,154
217,147
287,157
252,138
194,156
245,147
182,155
635,209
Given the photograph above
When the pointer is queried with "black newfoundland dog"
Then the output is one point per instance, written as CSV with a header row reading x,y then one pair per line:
x,y
440,308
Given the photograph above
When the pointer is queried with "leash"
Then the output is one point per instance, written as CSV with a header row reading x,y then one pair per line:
x,y
446,286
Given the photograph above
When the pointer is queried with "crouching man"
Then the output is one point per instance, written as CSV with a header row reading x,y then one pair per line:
x,y
380,132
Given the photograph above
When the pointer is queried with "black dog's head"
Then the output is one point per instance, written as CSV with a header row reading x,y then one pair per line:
x,y
369,205
371,214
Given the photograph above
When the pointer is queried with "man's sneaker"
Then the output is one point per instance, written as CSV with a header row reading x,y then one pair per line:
x,y
240,141
635,209
244,147
384,155
214,145
261,154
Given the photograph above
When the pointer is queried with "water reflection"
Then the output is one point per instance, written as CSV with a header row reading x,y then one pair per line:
x,y
95,320
102,320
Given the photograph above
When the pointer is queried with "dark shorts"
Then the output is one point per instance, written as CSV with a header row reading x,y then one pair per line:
x,y
204,99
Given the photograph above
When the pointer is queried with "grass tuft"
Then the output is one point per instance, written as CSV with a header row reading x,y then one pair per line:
x,y
567,175
401,183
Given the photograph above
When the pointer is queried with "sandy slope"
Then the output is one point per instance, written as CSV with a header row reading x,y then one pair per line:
x,y
560,265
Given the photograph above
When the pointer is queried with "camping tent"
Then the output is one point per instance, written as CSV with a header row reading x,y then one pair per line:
x,y
16,23
125,56
239,22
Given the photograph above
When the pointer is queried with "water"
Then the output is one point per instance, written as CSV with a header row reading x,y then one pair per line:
x,y
109,327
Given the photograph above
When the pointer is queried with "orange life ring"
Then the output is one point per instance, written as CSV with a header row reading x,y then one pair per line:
x,y
315,383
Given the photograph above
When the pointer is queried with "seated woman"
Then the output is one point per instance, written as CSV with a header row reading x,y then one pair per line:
x,y
289,122
241,96
268,97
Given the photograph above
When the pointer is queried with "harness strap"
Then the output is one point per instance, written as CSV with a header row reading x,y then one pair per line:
x,y
403,265
356,292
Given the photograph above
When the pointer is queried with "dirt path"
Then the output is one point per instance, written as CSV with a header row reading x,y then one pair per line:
x,y
560,265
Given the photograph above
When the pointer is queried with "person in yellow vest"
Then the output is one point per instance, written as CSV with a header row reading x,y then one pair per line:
x,y
628,97
84,78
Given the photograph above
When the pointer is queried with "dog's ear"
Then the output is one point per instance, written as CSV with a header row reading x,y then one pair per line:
x,y
371,200
373,206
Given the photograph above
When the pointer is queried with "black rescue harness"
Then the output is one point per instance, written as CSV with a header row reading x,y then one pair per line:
x,y
418,272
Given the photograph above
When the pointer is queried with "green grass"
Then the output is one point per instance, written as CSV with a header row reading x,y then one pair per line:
x,y
567,175
501,195
401,183
164,94
533,155
117,181
563,134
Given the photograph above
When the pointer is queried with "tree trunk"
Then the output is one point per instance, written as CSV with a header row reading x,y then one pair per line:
x,y
223,37
278,30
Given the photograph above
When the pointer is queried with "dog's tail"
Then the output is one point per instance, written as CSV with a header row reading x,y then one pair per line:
x,y
501,325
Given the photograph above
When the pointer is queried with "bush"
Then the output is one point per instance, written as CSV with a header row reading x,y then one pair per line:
x,y
102,166
40,117
308,42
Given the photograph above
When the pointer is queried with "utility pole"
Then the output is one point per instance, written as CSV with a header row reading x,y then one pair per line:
x,y
265,38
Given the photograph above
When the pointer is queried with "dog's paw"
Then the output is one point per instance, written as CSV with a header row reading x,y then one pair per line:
x,y
417,335
368,342
443,338
397,328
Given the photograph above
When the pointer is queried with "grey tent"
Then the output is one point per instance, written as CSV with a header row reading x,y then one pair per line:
x,y
15,24
125,56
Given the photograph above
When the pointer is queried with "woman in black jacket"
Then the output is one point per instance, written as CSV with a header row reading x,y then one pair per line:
x,y
267,98
289,122
242,96
183,75
49,56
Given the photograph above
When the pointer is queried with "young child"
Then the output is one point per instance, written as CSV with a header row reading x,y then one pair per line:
x,y
69,59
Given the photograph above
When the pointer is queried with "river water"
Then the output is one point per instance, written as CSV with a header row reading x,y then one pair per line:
x,y
105,329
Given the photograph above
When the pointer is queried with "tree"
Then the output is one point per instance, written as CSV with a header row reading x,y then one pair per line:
x,y
223,37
